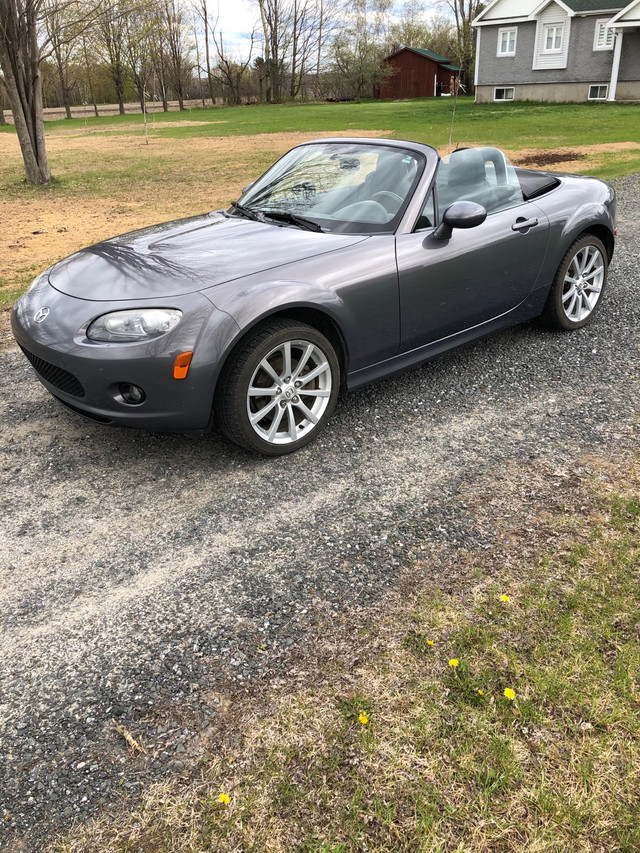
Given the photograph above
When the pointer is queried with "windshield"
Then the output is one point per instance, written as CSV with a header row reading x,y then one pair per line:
x,y
342,187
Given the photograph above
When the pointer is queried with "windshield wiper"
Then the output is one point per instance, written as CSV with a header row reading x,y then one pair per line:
x,y
293,219
247,212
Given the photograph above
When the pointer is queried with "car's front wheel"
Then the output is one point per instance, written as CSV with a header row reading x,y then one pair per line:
x,y
279,388
578,285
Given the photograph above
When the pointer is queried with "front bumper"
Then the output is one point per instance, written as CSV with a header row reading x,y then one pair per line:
x,y
88,376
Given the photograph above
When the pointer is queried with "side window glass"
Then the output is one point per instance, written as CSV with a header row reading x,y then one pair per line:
x,y
427,218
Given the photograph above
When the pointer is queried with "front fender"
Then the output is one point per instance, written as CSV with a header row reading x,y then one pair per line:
x,y
246,310
356,290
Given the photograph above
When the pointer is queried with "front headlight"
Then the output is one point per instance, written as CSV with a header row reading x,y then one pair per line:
x,y
136,325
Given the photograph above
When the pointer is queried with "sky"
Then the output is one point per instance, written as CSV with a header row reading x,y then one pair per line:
x,y
236,19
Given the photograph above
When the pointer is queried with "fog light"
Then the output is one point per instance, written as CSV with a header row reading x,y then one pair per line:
x,y
132,394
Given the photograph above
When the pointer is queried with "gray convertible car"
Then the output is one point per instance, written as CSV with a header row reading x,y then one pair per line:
x,y
347,261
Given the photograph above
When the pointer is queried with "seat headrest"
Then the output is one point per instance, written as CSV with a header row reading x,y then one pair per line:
x,y
466,166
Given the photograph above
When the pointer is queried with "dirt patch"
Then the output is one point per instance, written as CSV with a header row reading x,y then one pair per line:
x,y
550,158
572,159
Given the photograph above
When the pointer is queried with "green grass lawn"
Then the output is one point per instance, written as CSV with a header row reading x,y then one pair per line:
x,y
512,126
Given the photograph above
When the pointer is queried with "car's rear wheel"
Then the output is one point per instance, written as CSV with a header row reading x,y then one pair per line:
x,y
279,388
578,285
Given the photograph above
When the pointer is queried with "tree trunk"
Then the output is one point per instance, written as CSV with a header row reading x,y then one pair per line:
x,y
118,80
20,63
208,53
267,49
89,78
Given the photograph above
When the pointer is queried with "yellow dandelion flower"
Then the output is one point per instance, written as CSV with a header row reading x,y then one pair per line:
x,y
509,693
429,642
224,798
504,597
454,662
481,692
364,718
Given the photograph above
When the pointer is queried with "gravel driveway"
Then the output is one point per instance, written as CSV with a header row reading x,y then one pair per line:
x,y
147,577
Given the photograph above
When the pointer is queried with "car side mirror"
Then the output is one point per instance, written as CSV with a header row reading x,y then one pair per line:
x,y
460,214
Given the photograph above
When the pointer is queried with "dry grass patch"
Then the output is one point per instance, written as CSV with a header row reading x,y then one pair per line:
x,y
496,714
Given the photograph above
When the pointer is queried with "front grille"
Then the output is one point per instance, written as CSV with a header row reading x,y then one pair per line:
x,y
56,376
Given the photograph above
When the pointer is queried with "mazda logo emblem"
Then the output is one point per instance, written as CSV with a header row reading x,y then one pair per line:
x,y
41,315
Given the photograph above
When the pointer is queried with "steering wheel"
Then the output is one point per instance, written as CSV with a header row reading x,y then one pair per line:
x,y
390,201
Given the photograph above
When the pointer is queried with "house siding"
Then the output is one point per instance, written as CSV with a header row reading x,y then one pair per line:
x,y
553,14
584,63
585,66
560,93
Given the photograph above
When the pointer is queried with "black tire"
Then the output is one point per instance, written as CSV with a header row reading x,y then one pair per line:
x,y
293,409
578,285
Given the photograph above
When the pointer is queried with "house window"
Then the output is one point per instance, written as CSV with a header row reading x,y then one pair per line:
x,y
503,94
553,38
507,41
598,93
603,37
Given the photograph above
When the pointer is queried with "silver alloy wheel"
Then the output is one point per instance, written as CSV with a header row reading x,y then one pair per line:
x,y
583,283
289,392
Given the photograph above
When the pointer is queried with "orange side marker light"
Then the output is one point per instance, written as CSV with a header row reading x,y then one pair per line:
x,y
181,365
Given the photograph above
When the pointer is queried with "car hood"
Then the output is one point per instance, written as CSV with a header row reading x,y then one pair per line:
x,y
186,255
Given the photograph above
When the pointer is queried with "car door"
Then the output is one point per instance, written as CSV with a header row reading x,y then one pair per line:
x,y
478,274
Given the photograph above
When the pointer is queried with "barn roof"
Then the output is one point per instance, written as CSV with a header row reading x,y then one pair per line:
x,y
428,54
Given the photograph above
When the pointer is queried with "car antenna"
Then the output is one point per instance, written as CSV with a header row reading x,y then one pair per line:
x,y
453,113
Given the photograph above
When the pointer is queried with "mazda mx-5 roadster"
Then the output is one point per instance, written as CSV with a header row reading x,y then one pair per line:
x,y
347,261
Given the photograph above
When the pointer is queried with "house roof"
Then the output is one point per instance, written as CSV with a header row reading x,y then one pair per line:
x,y
593,5
429,54
511,10
627,17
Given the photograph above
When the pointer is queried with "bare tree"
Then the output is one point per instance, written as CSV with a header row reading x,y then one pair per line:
x,y
175,23
24,45
203,12
138,33
275,17
464,12
159,56
355,62
89,72
412,28
60,23
306,33
232,72
112,29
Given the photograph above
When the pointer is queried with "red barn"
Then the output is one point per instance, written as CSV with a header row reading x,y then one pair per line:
x,y
419,73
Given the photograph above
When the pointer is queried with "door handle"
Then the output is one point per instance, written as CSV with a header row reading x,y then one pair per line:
x,y
523,225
